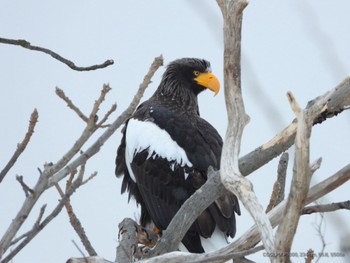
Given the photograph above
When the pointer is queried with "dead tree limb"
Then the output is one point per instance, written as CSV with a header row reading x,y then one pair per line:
x,y
25,44
301,177
232,179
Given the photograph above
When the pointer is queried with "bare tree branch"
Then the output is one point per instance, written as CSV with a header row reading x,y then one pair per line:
x,y
232,11
21,146
338,101
325,208
25,44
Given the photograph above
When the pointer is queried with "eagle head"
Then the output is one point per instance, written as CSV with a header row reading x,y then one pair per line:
x,y
189,75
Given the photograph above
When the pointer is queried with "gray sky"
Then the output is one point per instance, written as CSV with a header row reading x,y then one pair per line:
x,y
301,46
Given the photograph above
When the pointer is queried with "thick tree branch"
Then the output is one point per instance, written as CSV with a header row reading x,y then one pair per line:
x,y
25,44
232,11
21,146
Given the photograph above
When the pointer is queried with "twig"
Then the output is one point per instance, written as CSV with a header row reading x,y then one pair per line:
x,y
320,233
36,224
73,219
70,104
105,118
27,190
325,208
25,44
21,146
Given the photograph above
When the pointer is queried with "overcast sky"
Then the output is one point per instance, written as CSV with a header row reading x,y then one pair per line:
x,y
301,46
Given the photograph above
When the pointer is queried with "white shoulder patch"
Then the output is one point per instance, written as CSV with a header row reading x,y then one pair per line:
x,y
141,135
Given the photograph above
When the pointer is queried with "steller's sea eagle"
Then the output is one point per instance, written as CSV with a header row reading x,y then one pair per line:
x,y
166,150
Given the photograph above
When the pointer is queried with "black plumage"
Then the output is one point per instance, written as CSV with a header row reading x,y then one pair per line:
x,y
162,172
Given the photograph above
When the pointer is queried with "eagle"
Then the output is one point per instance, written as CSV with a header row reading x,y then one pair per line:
x,y
166,150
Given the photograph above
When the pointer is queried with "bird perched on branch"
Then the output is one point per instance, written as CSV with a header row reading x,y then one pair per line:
x,y
165,153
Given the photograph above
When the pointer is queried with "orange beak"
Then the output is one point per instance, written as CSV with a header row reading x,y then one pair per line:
x,y
209,81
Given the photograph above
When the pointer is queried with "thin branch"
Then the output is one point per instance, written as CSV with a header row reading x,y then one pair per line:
x,y
105,118
70,104
27,190
21,146
320,233
308,210
25,44
73,219
36,224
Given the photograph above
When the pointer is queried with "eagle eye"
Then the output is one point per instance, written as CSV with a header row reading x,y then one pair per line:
x,y
196,73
